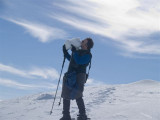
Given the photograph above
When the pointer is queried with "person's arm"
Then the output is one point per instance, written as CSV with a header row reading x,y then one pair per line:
x,y
85,59
66,54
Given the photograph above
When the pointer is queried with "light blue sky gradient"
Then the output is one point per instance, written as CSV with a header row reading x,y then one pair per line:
x,y
126,34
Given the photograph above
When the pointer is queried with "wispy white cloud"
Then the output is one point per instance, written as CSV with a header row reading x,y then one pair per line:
x,y
44,33
92,81
46,73
13,70
33,73
17,85
118,19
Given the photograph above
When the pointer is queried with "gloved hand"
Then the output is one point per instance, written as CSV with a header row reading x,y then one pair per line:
x,y
64,50
73,48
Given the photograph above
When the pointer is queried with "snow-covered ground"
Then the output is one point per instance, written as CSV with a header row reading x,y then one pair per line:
x,y
135,101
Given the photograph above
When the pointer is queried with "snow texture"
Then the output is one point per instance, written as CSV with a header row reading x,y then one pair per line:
x,y
135,101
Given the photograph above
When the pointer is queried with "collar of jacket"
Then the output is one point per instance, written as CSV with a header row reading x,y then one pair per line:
x,y
82,52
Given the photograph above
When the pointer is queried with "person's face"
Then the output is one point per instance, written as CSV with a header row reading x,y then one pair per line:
x,y
84,44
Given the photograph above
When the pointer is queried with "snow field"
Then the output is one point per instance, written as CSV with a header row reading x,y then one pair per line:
x,y
135,101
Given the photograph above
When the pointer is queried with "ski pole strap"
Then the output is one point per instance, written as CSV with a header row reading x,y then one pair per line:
x,y
87,75
60,100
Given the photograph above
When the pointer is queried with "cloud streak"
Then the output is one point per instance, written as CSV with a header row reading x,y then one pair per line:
x,y
92,82
46,73
42,32
17,85
34,73
119,20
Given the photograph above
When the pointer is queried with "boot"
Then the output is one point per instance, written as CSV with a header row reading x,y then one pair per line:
x,y
66,117
82,117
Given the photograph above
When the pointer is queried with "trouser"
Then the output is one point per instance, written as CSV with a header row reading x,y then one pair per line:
x,y
80,104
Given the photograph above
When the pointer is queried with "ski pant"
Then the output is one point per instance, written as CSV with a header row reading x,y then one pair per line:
x,y
80,104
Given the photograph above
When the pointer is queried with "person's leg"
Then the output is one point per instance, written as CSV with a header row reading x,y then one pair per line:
x,y
66,110
81,106
82,111
66,106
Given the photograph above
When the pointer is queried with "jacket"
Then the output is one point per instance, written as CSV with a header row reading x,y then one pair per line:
x,y
79,60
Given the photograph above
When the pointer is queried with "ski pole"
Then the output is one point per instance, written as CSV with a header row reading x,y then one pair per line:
x,y
57,86
68,70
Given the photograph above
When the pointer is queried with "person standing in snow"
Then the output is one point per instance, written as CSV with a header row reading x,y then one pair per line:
x,y
79,60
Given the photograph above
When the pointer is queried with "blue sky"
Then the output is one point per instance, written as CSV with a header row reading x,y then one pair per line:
x,y
32,33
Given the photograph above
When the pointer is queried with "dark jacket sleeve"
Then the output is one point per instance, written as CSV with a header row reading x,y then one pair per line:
x,y
68,56
84,59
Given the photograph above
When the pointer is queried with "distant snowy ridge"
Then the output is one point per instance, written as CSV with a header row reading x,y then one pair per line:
x,y
135,101
146,82
45,96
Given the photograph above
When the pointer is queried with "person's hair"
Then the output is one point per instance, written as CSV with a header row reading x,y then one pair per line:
x,y
90,43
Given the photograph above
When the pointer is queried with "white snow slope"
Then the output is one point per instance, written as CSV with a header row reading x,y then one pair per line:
x,y
135,101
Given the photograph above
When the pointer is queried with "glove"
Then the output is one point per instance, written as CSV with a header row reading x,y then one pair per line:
x,y
64,50
73,48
